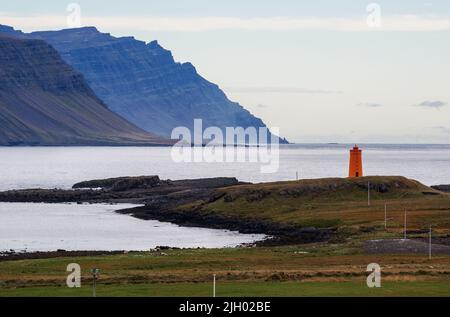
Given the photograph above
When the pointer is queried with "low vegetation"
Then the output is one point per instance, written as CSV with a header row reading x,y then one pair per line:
x,y
336,203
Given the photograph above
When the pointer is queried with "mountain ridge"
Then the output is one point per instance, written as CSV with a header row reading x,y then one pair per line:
x,y
44,101
143,83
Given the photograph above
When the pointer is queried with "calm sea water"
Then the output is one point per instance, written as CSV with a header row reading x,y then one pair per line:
x,y
61,167
49,227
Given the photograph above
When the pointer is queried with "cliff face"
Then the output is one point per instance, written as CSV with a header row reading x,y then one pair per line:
x,y
44,101
144,84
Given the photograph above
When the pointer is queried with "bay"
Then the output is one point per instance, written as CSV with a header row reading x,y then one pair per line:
x,y
28,227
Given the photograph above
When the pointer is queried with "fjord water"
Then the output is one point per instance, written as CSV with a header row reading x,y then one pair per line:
x,y
61,167
45,227
49,227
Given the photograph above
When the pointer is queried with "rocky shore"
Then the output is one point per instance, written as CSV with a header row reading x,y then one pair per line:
x,y
280,234
162,199
17,256
225,203
135,190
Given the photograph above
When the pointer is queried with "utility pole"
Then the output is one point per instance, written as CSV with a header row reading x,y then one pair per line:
x,y
95,273
214,285
429,249
296,175
405,225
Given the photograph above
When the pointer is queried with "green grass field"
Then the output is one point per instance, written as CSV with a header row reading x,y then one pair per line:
x,y
312,270
240,289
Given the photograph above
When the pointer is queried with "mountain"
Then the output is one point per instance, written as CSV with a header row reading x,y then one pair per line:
x,y
44,101
143,83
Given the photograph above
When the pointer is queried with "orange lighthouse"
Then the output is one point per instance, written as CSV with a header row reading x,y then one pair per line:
x,y
356,167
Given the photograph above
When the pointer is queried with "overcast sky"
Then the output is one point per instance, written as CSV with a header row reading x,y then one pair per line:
x,y
322,70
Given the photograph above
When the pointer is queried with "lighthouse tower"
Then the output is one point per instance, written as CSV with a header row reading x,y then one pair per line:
x,y
356,167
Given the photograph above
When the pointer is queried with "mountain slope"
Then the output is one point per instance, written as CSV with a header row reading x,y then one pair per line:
x,y
44,101
143,83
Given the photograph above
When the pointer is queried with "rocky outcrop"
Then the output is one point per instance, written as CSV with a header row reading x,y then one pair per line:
x,y
442,188
143,189
148,182
44,101
143,83
121,183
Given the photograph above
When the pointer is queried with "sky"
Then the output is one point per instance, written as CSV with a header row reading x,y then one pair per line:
x,y
346,71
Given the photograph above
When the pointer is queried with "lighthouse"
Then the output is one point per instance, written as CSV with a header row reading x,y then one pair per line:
x,y
356,167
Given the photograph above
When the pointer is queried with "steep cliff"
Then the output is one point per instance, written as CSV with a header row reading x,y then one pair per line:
x,y
44,101
143,83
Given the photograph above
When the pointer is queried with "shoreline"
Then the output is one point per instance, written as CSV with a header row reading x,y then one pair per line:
x,y
227,204
277,235
18,256
160,200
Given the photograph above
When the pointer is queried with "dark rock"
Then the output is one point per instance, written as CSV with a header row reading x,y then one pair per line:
x,y
257,195
16,256
127,190
442,188
280,234
135,183
229,198
121,183
215,182
431,193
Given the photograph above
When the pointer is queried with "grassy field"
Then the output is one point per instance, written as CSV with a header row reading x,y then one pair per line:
x,y
241,289
313,270
335,268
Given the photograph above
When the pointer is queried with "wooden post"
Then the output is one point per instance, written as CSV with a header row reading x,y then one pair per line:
x,y
214,285
405,225
429,249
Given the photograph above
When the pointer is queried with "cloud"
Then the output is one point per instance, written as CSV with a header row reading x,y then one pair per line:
x,y
432,104
284,90
370,105
400,23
